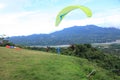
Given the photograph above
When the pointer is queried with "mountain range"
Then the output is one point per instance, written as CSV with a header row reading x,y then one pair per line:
x,y
72,35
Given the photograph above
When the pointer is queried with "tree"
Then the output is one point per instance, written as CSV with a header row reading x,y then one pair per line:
x,y
4,41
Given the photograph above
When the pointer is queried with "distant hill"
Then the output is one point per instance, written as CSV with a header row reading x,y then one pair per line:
x,y
72,35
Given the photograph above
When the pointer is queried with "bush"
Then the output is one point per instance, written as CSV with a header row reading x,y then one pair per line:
x,y
106,61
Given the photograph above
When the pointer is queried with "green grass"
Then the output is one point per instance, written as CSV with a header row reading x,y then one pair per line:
x,y
35,65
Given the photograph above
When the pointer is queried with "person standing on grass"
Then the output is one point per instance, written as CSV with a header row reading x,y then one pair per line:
x,y
58,50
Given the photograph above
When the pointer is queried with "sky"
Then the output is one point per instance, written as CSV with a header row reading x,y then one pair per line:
x,y
26,17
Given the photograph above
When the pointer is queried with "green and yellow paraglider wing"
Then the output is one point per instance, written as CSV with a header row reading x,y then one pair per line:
x,y
68,9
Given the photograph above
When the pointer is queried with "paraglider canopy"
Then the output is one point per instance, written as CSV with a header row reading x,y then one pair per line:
x,y
66,10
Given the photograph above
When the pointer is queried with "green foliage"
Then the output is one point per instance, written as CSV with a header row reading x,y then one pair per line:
x,y
106,61
37,65
6,42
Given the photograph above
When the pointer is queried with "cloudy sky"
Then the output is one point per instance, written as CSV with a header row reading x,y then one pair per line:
x,y
26,17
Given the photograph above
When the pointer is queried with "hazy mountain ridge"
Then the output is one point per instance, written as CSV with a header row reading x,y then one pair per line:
x,y
72,35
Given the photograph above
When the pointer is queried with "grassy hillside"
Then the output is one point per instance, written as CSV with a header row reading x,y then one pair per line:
x,y
35,65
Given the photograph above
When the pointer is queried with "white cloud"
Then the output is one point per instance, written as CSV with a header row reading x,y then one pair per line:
x,y
108,21
108,18
26,23
2,5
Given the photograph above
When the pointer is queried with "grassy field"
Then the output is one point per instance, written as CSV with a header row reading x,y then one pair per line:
x,y
35,65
